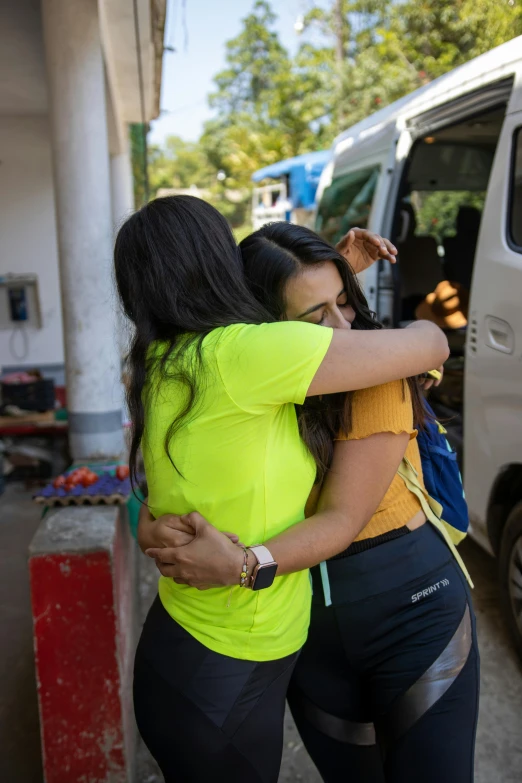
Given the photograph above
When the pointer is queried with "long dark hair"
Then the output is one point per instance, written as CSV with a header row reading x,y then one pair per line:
x,y
271,256
179,273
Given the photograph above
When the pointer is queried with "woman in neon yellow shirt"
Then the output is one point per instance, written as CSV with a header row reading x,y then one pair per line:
x,y
214,381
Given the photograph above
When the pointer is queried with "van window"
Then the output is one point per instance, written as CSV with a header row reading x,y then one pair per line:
x,y
347,203
515,218
437,212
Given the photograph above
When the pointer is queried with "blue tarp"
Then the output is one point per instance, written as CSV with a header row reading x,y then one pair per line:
x,y
312,161
303,172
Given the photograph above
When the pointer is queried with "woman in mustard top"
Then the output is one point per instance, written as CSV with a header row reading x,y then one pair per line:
x,y
386,687
214,380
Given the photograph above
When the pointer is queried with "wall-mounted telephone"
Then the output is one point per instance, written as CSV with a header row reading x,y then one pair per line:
x,y
19,302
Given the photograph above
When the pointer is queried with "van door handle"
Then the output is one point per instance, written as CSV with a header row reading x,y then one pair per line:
x,y
499,335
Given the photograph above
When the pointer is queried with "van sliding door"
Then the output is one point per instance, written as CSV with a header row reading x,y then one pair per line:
x,y
493,374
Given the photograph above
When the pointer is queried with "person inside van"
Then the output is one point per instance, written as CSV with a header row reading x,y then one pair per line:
x,y
386,686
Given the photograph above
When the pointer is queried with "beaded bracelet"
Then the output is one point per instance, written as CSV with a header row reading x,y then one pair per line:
x,y
243,582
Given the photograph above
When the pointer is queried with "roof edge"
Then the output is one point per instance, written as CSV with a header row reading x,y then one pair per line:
x,y
158,14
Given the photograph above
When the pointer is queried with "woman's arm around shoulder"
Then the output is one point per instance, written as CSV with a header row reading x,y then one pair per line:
x,y
265,365
360,359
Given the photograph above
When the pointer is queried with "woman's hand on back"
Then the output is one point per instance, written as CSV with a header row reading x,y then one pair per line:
x,y
362,248
428,381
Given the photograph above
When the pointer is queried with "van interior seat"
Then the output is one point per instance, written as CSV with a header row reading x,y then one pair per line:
x,y
420,266
459,251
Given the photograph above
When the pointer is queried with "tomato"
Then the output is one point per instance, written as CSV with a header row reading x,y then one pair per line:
x,y
73,479
122,472
89,478
59,482
69,486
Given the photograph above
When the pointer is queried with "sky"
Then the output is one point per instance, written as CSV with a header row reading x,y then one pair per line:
x,y
199,34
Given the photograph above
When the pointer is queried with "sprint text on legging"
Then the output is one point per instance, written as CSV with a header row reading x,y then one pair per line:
x,y
429,590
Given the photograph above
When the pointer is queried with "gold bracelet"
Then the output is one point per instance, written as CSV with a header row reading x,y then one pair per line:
x,y
243,581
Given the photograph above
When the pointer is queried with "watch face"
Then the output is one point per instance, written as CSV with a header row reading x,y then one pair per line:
x,y
265,576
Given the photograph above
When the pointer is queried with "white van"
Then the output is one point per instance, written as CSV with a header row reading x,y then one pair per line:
x,y
440,173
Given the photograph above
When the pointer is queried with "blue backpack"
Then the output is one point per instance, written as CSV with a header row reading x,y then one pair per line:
x,y
442,497
442,477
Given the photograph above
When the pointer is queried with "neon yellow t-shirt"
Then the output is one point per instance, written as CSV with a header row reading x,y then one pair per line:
x,y
244,467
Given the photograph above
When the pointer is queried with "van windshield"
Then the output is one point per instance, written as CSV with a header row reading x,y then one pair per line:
x,y
346,203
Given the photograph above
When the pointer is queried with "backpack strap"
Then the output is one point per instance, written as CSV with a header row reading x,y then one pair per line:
x,y
431,508
444,452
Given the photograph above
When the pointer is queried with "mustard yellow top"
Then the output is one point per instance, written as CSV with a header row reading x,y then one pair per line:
x,y
388,408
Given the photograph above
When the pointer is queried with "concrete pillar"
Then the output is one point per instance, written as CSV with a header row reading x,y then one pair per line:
x,y
82,566
84,224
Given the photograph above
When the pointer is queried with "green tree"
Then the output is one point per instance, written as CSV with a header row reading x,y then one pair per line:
x,y
138,142
266,104
255,60
435,36
374,52
437,212
179,164
347,30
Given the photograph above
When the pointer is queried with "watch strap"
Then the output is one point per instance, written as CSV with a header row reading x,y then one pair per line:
x,y
262,554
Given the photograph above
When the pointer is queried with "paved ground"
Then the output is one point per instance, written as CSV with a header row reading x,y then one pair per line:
x,y
20,760
499,744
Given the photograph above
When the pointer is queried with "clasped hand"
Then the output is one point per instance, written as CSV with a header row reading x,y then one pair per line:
x,y
190,550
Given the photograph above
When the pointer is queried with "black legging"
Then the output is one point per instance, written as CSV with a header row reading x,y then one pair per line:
x,y
386,687
206,716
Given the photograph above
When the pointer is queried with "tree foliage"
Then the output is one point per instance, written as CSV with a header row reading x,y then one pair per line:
x,y
437,36
137,138
436,212
265,102
354,57
179,164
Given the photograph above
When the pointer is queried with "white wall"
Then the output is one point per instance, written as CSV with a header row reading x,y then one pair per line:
x,y
22,62
28,232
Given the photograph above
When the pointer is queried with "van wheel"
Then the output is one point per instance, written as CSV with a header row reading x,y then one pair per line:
x,y
510,563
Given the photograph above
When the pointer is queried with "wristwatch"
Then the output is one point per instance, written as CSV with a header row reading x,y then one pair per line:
x,y
264,572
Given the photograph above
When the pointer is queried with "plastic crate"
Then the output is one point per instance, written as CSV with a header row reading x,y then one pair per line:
x,y
33,396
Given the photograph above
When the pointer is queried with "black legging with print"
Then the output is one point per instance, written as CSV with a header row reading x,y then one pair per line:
x,y
386,687
205,716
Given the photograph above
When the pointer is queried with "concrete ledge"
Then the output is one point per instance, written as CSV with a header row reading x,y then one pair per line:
x,y
75,529
82,570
